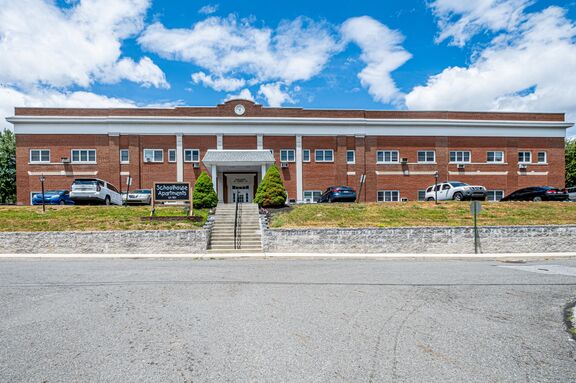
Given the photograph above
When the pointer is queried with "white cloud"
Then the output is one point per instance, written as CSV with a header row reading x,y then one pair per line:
x,y
460,20
381,51
43,44
274,94
208,9
218,83
530,69
244,94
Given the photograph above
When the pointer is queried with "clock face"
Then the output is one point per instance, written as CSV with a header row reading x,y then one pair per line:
x,y
239,109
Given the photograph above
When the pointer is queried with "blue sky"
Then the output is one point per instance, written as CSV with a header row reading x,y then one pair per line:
x,y
436,54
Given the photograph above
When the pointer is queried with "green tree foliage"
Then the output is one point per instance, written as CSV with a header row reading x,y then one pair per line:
x,y
204,194
271,191
7,167
571,162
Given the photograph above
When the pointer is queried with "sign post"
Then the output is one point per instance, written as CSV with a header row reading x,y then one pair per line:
x,y
475,209
128,183
42,179
362,181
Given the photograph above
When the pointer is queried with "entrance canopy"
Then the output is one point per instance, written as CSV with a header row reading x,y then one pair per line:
x,y
220,158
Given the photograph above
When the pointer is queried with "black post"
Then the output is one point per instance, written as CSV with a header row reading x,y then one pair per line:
x,y
42,179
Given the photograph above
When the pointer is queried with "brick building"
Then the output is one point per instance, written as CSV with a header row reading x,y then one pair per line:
x,y
398,151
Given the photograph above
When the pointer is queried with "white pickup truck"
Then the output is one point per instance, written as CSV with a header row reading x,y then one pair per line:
x,y
458,191
94,190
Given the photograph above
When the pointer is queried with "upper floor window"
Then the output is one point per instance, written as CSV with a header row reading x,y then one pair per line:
x,y
350,156
84,156
542,157
387,156
39,155
124,156
287,155
324,155
191,155
495,157
171,155
426,156
153,155
459,157
524,157
306,155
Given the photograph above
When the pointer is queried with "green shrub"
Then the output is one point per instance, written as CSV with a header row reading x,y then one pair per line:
x,y
271,191
204,194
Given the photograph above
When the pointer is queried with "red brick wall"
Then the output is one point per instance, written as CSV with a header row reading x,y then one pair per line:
x,y
203,143
277,143
239,142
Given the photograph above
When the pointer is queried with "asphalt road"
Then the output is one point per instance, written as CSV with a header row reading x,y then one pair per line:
x,y
285,321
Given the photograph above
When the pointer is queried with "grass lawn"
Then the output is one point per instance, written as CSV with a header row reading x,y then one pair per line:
x,y
91,218
425,214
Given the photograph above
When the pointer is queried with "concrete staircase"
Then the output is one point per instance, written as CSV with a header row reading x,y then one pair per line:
x,y
248,230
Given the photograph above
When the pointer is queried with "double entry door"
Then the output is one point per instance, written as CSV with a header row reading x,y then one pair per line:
x,y
240,187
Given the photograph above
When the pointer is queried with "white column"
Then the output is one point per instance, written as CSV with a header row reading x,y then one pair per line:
x,y
179,159
299,183
263,171
214,177
219,142
260,142
220,188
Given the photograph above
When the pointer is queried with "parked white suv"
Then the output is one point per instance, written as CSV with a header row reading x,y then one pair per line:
x,y
452,190
95,191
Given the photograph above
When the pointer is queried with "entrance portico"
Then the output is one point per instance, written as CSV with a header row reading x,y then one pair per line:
x,y
237,172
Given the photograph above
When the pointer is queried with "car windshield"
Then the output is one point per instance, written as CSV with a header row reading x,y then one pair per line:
x,y
458,184
53,192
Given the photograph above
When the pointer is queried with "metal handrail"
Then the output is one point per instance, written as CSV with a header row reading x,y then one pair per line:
x,y
236,239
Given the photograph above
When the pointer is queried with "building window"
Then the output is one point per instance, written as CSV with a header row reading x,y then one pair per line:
x,y
287,155
542,158
421,195
39,155
171,155
459,157
427,156
86,156
153,155
191,155
350,156
324,155
387,156
124,156
388,196
495,157
306,155
494,195
312,195
524,157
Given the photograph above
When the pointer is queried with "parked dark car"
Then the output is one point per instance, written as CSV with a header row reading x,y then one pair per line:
x,y
538,193
338,194
53,197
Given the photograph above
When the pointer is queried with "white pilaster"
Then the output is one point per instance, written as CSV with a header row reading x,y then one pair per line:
x,y
214,178
299,184
179,159
263,171
219,142
260,141
220,188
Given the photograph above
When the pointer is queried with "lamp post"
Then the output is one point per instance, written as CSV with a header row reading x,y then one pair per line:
x,y
436,175
42,179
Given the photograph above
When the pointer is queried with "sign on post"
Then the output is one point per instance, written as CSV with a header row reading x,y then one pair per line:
x,y
172,192
129,181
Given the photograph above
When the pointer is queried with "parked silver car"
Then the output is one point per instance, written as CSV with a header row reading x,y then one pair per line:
x,y
139,196
571,193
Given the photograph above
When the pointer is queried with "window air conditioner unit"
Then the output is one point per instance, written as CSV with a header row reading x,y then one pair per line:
x,y
284,164
147,160
196,165
404,160
461,166
522,166
65,160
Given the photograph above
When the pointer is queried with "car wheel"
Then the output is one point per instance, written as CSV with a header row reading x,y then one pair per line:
x,y
430,199
537,199
457,196
107,200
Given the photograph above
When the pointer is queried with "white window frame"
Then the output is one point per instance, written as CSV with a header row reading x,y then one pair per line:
x,y
304,155
545,157
192,155
495,199
80,156
40,161
384,192
460,153
426,152
312,192
285,155
127,155
494,161
353,161
524,152
383,153
423,191
153,155
323,151
169,152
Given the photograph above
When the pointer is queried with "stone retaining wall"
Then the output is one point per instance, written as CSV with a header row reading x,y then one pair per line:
x,y
107,242
449,240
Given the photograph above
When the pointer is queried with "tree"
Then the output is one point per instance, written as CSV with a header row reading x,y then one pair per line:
x,y
271,191
204,194
7,167
571,162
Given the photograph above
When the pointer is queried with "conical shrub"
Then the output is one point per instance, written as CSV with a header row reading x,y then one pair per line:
x,y
271,191
204,194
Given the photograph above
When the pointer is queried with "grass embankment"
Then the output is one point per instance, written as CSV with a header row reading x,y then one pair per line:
x,y
91,218
425,214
